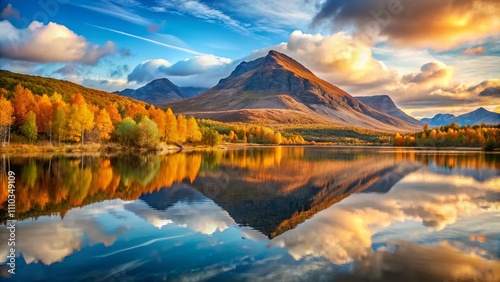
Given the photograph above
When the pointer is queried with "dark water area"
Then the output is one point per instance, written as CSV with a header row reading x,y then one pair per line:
x,y
255,214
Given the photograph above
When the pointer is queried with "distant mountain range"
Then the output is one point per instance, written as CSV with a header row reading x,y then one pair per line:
x,y
278,89
161,91
478,116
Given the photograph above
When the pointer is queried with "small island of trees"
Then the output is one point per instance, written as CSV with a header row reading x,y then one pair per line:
x,y
453,135
26,117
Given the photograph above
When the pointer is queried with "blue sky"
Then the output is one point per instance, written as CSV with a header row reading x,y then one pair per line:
x,y
428,57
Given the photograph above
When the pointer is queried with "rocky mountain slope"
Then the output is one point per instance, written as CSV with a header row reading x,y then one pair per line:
x,y
278,89
384,104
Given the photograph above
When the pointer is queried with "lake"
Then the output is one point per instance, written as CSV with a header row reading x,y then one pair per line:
x,y
256,214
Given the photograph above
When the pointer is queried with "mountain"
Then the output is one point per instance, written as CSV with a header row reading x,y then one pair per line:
x,y
384,104
478,116
278,89
42,85
161,91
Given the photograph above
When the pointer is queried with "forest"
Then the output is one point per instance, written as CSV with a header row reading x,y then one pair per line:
x,y
62,119
453,135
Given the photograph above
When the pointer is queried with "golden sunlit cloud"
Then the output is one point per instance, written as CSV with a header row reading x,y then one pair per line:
x,y
440,25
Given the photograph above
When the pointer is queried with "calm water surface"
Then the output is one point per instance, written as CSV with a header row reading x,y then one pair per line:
x,y
259,214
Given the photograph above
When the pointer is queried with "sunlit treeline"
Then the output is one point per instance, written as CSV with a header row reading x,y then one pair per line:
x,y
33,117
51,118
235,133
484,136
459,160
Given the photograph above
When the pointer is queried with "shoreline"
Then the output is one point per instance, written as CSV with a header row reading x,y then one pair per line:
x,y
33,149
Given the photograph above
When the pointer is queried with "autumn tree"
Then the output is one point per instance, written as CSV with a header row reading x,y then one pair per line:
x,y
104,125
44,115
136,112
59,121
29,128
170,134
6,119
233,138
181,128
158,116
210,137
23,102
148,134
127,132
193,133
80,119
277,138
114,115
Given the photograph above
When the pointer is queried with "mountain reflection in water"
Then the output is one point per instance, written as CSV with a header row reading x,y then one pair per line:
x,y
290,213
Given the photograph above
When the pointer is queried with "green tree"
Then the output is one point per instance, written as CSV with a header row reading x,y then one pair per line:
x,y
127,132
59,123
148,134
210,137
29,128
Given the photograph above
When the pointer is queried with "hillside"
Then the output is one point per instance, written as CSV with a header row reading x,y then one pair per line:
x,y
384,104
161,91
42,85
276,89
479,116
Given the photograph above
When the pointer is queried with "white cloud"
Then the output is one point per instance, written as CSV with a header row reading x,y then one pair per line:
x,y
49,43
338,58
344,232
148,70
203,70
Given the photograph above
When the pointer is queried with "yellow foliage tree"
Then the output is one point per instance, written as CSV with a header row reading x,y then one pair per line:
x,y
170,127
80,119
104,124
193,134
44,114
158,116
6,119
181,128
277,138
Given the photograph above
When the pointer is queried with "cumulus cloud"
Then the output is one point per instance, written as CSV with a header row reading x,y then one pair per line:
x,y
49,43
148,70
443,262
196,65
338,58
343,233
426,23
433,73
202,217
203,71
50,239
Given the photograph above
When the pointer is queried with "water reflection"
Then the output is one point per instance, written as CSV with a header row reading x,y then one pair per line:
x,y
318,213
